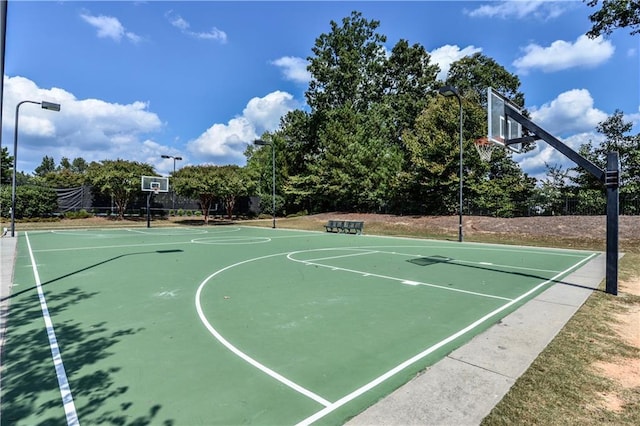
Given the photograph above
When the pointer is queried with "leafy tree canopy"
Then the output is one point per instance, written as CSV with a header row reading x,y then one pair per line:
x,y
119,179
614,14
6,166
208,183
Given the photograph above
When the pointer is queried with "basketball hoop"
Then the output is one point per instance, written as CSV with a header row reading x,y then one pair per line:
x,y
484,148
155,188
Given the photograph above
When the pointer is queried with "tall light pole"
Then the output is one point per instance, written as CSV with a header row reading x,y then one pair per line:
x,y
45,105
173,193
448,91
273,174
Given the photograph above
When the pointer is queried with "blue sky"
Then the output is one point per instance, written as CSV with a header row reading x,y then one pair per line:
x,y
203,79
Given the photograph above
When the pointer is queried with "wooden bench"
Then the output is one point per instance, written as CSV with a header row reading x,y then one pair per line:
x,y
346,226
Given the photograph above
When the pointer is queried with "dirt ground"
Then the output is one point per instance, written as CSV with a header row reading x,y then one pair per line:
x,y
589,227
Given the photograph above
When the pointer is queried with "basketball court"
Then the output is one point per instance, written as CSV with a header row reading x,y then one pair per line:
x,y
229,325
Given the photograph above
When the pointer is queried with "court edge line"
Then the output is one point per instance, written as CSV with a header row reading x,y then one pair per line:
x,y
353,395
241,354
63,382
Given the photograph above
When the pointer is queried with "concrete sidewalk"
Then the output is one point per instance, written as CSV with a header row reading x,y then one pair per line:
x,y
464,387
7,261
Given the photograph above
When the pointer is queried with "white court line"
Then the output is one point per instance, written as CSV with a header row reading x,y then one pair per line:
x,y
386,277
243,355
63,382
353,395
362,253
142,245
439,244
114,246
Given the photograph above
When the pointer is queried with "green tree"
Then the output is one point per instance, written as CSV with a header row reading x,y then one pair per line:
x,y
472,75
348,65
359,163
614,14
79,165
65,178
6,166
119,179
365,145
430,178
65,164
617,138
360,103
48,165
201,183
234,182
553,190
68,174
409,78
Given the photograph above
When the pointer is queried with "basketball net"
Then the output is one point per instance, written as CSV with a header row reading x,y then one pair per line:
x,y
484,148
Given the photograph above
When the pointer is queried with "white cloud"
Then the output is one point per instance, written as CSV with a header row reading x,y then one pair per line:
x,y
572,118
519,10
89,128
294,68
446,55
534,162
109,27
571,112
560,55
265,113
224,143
184,26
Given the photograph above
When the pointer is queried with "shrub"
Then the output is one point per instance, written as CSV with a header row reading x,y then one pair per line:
x,y
31,201
80,214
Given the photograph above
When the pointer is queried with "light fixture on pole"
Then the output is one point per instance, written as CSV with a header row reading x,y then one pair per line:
x,y
173,193
448,91
45,105
260,142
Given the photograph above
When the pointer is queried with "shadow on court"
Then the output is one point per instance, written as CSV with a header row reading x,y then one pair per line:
x,y
95,265
433,260
29,384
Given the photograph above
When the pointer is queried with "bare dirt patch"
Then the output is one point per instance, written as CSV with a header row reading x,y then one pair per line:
x,y
591,227
623,371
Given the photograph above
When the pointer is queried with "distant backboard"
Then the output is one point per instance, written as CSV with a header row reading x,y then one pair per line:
x,y
501,128
153,183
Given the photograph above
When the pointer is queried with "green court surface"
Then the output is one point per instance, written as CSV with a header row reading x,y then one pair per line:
x,y
237,325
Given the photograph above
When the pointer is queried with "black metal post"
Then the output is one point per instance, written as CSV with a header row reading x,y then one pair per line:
x,y
15,167
612,183
273,183
149,210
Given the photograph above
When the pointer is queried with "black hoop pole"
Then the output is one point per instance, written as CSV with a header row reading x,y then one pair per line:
x,y
148,210
612,182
